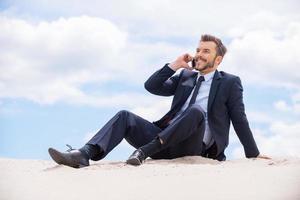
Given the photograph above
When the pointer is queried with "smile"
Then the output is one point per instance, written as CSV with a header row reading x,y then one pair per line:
x,y
201,59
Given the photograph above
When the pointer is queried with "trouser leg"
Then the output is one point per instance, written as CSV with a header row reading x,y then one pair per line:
x,y
136,130
185,135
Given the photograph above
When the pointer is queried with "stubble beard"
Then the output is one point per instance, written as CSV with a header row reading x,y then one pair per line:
x,y
207,65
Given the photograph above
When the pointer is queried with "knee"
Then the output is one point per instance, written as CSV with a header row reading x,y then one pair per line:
x,y
196,111
123,113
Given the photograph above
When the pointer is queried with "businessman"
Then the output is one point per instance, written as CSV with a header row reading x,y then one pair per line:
x,y
205,101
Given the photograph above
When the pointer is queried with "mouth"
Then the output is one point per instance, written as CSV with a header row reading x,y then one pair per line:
x,y
198,60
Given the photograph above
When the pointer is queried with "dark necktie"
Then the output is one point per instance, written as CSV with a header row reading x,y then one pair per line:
x,y
195,93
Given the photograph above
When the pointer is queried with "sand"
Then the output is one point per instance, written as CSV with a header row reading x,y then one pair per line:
x,y
184,178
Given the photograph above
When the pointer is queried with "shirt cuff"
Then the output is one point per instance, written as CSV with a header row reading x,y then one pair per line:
x,y
168,64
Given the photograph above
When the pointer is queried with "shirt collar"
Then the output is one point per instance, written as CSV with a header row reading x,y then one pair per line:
x,y
208,76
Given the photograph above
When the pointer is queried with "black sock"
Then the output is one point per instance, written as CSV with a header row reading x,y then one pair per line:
x,y
152,147
89,151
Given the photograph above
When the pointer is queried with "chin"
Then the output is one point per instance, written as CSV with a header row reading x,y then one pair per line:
x,y
199,68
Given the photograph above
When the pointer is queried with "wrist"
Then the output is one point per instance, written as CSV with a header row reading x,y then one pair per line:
x,y
173,66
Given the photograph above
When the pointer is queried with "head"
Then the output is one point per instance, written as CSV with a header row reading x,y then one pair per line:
x,y
209,54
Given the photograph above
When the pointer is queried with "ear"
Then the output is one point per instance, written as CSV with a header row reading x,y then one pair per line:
x,y
219,59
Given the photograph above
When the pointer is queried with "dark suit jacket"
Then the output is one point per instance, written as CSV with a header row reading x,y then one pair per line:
x,y
225,104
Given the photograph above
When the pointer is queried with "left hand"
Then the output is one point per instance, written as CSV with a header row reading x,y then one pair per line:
x,y
263,157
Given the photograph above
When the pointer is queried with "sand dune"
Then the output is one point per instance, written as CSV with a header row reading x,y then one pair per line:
x,y
184,178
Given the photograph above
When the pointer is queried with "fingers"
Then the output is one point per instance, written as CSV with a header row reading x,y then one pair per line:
x,y
182,62
187,66
264,157
187,57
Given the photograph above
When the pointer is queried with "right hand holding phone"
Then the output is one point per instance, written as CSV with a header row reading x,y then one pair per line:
x,y
182,62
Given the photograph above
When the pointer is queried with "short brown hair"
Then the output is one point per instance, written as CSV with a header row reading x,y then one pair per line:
x,y
221,49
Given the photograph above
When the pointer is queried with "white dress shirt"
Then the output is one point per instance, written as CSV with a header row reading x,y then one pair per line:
x,y
202,101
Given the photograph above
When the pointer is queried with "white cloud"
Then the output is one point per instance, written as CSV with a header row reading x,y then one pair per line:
x,y
275,135
276,132
293,107
267,56
153,111
158,18
296,103
48,57
284,139
48,61
259,117
282,106
280,139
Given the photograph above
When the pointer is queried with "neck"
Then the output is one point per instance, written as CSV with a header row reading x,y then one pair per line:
x,y
207,71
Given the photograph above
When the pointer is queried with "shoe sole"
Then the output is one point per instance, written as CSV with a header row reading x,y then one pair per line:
x,y
134,161
59,159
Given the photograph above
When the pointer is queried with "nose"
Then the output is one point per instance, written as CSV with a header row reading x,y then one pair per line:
x,y
197,54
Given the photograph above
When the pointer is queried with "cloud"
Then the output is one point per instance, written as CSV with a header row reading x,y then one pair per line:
x,y
296,102
267,55
284,139
275,133
51,61
282,106
293,107
48,61
259,117
53,50
278,139
153,111
163,19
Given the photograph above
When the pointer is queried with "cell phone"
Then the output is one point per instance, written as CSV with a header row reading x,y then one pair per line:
x,y
193,63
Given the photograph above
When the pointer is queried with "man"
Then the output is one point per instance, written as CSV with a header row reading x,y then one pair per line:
x,y
204,103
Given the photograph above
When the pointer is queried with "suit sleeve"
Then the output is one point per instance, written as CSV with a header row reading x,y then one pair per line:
x,y
239,119
162,82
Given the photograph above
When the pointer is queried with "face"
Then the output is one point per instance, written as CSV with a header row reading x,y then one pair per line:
x,y
206,58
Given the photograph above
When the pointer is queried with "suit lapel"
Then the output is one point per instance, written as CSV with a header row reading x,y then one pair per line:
x,y
213,89
188,87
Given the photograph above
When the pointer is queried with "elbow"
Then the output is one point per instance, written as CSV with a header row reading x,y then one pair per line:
x,y
148,86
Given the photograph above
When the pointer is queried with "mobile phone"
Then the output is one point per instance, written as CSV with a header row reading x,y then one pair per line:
x,y
193,63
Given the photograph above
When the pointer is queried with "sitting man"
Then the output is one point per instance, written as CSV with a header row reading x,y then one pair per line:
x,y
205,100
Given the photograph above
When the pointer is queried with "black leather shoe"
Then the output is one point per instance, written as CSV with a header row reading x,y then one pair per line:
x,y
72,158
136,158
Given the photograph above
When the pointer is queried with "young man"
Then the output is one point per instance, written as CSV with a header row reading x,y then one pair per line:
x,y
205,101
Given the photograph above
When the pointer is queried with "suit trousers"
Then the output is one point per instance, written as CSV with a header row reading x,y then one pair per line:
x,y
182,137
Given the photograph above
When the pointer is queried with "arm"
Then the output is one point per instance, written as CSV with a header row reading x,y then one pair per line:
x,y
161,82
239,119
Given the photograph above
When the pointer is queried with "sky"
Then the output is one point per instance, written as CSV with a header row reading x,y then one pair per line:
x,y
67,67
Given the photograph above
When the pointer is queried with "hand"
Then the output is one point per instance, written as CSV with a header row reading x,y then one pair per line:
x,y
264,157
182,62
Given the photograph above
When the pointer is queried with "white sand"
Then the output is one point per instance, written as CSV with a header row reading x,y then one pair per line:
x,y
183,179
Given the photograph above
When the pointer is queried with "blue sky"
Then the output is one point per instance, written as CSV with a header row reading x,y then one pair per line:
x,y
68,67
